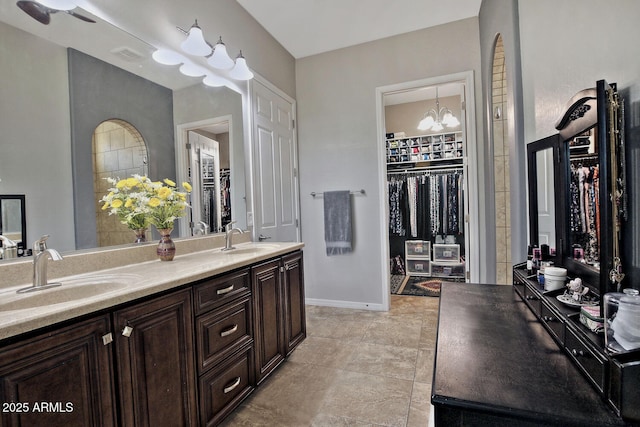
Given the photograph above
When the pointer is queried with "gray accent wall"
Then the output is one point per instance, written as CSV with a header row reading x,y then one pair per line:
x,y
99,92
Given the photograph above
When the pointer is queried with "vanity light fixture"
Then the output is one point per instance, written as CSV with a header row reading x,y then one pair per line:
x,y
436,119
195,44
217,56
192,70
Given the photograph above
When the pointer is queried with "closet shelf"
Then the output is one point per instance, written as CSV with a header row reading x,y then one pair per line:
x,y
425,148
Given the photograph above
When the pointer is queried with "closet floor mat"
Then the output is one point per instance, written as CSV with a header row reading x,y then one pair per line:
x,y
397,283
421,286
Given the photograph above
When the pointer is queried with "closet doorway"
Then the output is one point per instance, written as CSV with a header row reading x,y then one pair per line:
x,y
427,166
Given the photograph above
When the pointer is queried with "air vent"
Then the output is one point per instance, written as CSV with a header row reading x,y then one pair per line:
x,y
128,54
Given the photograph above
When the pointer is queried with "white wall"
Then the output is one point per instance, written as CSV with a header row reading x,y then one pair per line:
x,y
37,131
567,46
338,146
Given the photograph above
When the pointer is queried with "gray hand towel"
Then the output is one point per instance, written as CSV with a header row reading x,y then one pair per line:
x,y
337,222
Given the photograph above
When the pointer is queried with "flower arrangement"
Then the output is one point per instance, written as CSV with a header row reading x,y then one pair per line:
x,y
138,201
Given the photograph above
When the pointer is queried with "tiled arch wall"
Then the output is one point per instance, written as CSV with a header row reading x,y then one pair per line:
x,y
501,165
119,151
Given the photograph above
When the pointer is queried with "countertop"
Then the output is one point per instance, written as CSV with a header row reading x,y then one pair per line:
x,y
495,363
91,292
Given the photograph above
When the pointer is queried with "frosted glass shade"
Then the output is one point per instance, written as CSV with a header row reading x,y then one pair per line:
x,y
167,57
220,58
213,81
192,70
195,44
58,4
241,71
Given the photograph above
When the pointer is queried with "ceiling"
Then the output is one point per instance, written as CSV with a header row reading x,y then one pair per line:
x,y
309,27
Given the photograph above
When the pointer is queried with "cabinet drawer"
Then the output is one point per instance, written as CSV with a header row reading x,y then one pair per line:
x,y
223,388
553,323
212,293
593,366
532,300
223,331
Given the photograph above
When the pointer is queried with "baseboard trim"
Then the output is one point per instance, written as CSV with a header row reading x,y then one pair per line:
x,y
345,304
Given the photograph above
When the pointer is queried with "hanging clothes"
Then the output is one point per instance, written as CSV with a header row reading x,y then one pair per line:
x,y
426,204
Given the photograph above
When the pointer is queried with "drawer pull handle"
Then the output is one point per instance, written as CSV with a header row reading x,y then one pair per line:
x,y
229,331
230,388
225,290
577,352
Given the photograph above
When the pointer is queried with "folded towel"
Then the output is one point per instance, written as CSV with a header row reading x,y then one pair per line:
x,y
337,222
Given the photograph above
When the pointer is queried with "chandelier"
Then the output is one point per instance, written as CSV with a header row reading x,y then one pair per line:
x,y
437,118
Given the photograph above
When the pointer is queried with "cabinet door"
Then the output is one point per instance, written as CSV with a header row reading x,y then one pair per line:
x,y
295,325
61,378
268,317
156,362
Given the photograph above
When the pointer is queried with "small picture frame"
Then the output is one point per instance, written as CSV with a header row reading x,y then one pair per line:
x,y
578,254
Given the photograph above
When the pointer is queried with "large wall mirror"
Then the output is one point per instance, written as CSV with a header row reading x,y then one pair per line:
x,y
586,165
60,82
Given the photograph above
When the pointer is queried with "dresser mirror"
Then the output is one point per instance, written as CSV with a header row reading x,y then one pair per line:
x,y
592,187
544,176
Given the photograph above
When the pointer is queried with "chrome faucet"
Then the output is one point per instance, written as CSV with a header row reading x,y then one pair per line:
x,y
41,255
228,236
201,228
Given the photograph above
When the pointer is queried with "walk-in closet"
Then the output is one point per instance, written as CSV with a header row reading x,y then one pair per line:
x,y
426,187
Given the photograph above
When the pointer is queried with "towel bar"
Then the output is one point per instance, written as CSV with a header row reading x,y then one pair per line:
x,y
314,194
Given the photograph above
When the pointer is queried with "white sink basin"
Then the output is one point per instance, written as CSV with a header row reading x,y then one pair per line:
x,y
73,289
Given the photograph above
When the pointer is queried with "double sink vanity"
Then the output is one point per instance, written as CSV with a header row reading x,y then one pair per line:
x,y
129,340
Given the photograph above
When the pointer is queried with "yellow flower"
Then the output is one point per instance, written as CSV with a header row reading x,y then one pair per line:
x,y
128,203
187,186
105,206
164,192
121,184
154,202
132,182
116,203
182,197
169,182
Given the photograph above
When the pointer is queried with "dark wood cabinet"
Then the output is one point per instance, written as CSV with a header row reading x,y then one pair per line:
x,y
268,303
60,378
279,311
181,358
155,359
294,316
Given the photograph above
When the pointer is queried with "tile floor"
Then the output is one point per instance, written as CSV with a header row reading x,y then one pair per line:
x,y
356,368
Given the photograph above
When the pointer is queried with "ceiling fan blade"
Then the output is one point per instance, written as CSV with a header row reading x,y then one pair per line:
x,y
82,17
36,11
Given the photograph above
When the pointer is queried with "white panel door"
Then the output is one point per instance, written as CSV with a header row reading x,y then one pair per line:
x,y
275,166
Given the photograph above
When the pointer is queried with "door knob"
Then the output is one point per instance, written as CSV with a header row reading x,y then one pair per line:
x,y
261,237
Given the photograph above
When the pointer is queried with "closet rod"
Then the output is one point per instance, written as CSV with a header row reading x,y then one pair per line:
x,y
427,169
314,194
